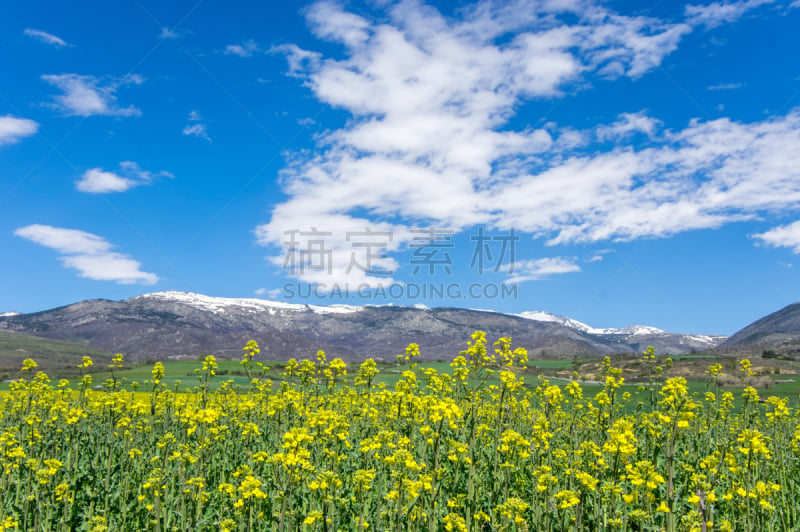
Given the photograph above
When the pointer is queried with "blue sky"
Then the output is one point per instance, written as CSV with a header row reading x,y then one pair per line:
x,y
640,163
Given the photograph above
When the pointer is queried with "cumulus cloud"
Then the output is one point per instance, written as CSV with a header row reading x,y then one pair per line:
x,y
47,38
329,22
130,175
333,248
784,236
89,95
427,143
91,255
13,129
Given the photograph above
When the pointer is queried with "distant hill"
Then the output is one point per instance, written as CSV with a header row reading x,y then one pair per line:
x,y
176,324
49,354
779,328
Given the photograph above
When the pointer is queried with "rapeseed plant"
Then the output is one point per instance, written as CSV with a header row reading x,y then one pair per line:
x,y
480,449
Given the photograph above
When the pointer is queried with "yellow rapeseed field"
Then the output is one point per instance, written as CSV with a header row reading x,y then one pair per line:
x,y
325,449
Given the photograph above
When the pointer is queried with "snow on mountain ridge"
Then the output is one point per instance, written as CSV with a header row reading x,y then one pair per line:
x,y
632,330
541,315
218,305
8,314
709,340
637,330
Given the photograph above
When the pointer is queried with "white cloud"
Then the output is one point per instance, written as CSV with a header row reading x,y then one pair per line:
x,y
599,255
273,294
47,38
65,241
246,49
90,254
167,33
320,249
725,86
428,96
13,129
88,95
329,22
429,99
537,269
784,236
719,13
300,61
628,124
195,128
99,181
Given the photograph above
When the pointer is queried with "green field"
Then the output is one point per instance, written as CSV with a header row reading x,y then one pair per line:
x,y
52,355
183,376
60,360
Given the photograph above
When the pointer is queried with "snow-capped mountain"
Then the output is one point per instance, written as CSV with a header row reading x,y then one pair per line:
x,y
178,323
540,315
8,314
700,340
220,305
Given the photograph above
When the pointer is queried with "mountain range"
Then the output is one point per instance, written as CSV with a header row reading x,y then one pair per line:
x,y
178,324
780,332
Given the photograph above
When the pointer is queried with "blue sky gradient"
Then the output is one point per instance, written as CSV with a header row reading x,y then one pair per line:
x,y
647,157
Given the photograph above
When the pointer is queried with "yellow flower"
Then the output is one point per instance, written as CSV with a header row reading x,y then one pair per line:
x,y
158,372
313,517
566,499
251,487
454,523
98,524
9,523
621,438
